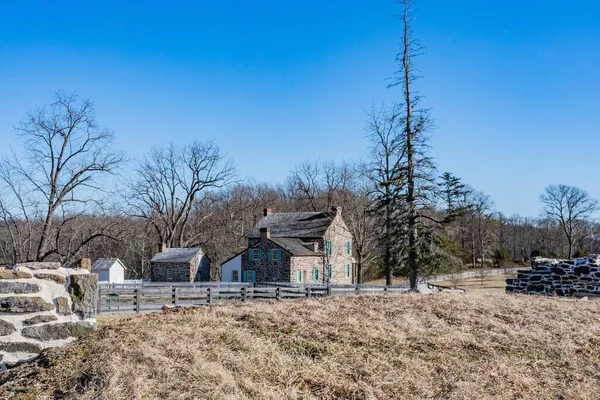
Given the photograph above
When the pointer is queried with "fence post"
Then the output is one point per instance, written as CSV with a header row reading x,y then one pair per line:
x,y
137,300
175,296
277,293
385,290
358,290
210,296
99,301
244,293
328,290
308,292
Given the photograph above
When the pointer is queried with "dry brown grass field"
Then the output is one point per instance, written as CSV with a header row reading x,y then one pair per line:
x,y
472,346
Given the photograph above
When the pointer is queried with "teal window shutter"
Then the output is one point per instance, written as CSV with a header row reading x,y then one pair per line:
x,y
347,248
270,255
315,274
245,276
250,255
253,276
278,254
297,276
347,270
328,271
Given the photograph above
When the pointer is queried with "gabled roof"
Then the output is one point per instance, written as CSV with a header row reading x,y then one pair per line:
x,y
296,246
294,225
236,255
104,264
176,255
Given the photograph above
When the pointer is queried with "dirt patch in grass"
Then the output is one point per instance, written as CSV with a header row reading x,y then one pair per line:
x,y
386,347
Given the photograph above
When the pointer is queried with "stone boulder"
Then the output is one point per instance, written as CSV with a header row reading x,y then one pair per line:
x,y
11,274
18,287
56,277
6,328
84,295
63,330
22,304
40,319
40,265
62,306
20,347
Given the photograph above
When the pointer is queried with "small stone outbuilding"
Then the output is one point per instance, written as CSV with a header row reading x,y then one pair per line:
x,y
180,265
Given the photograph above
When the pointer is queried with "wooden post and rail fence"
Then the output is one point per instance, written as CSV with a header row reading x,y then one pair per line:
x,y
144,298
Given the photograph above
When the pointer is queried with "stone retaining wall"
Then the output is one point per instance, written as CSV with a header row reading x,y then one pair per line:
x,y
561,278
43,305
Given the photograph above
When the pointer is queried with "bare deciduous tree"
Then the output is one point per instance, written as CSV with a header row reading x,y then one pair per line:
x,y
570,207
170,180
59,170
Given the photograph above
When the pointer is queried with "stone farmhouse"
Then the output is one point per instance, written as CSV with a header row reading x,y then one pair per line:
x,y
180,265
301,247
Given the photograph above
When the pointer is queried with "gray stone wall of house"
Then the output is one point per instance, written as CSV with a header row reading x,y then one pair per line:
x,y
563,279
267,270
307,264
170,272
44,305
203,274
338,233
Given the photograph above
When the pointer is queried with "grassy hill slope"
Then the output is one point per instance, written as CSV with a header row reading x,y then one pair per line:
x,y
393,347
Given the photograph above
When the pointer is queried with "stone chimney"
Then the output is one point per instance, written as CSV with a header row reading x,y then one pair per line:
x,y
316,246
336,210
266,212
265,234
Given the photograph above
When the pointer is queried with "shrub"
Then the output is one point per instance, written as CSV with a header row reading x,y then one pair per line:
x,y
501,256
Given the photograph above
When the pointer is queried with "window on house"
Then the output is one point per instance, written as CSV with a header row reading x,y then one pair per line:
x,y
169,274
276,254
315,274
347,270
255,254
328,271
249,276
347,248
299,276
235,275
328,247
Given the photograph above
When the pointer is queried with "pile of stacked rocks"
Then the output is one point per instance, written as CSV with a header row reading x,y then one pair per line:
x,y
558,277
43,305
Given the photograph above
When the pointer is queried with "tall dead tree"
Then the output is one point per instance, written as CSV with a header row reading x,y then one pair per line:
x,y
56,175
418,168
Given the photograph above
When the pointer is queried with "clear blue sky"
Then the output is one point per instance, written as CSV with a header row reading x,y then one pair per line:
x,y
513,85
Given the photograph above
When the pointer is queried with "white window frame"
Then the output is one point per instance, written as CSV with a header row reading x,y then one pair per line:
x,y
235,275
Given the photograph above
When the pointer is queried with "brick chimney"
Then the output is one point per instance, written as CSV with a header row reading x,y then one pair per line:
x,y
266,212
265,234
162,247
316,246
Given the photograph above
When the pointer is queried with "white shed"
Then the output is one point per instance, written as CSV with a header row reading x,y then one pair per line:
x,y
231,270
109,270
